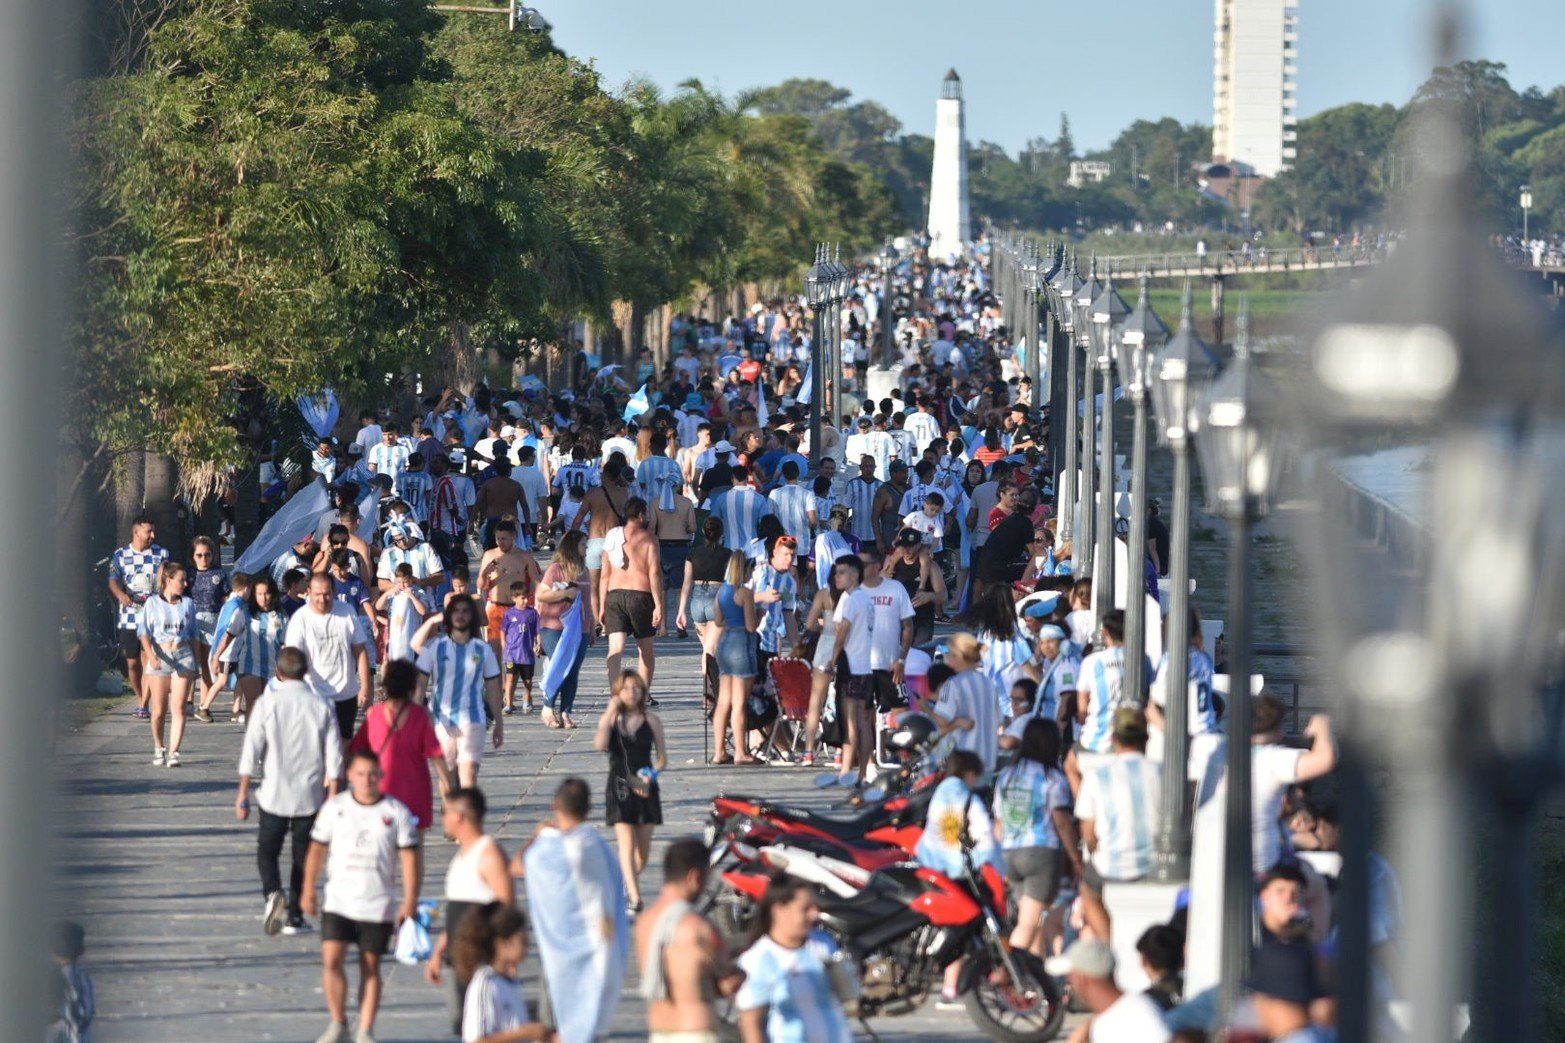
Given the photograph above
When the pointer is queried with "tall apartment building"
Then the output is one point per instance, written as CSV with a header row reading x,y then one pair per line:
x,y
1253,89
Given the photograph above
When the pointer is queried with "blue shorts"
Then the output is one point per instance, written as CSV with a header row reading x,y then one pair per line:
x,y
736,653
595,554
703,603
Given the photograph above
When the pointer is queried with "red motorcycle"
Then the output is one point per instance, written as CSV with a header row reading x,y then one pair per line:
x,y
904,924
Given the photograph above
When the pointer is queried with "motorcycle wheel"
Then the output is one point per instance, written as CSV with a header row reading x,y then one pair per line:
x,y
1030,1011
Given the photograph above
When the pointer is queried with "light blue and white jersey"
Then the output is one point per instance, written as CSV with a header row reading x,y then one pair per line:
x,y
421,557
1122,796
791,504
883,448
771,625
1003,662
257,637
164,622
415,488
1026,795
1102,682
457,672
924,428
388,459
325,466
859,496
793,986
1202,708
137,572
1059,677
402,622
650,474
233,607
741,510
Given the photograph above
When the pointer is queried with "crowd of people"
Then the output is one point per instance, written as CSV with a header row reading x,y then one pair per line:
x,y
389,645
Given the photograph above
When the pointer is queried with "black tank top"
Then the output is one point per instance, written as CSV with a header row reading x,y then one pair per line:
x,y
907,573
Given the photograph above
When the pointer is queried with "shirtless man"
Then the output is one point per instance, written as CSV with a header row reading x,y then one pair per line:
x,y
602,510
633,592
501,566
499,497
674,531
685,966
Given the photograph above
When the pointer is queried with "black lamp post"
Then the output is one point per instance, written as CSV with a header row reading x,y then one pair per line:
x,y
1237,442
815,292
1108,313
1084,550
1182,366
888,264
1062,290
1142,335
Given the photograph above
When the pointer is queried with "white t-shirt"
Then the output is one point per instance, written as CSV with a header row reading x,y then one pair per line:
x,y
892,606
493,1004
624,446
855,608
361,868
972,695
329,640
1133,1017
368,437
1081,622
1273,769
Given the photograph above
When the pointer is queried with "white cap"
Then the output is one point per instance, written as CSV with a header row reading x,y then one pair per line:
x,y
508,431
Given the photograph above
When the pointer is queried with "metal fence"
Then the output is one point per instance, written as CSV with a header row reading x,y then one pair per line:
x,y
1236,262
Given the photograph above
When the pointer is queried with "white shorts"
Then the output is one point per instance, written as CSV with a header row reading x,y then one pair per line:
x,y
1086,760
462,745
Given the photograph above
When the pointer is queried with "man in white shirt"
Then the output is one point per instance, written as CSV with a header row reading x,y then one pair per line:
x,y
922,425
366,836
878,626
620,443
295,732
1118,1017
369,432
326,631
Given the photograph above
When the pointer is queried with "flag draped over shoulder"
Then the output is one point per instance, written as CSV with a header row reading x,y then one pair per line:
x,y
369,516
576,897
563,661
807,389
288,526
952,808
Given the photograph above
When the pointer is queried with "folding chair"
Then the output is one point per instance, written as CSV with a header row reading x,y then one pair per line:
x,y
791,681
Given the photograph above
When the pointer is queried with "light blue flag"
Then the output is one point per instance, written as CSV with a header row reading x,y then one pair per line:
x,y
563,661
807,391
288,526
1021,353
369,517
637,405
320,412
1097,401
763,415
576,896
956,816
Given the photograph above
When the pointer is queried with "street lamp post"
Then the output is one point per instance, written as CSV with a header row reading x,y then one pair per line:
x,y
1143,335
1237,444
1048,358
1526,211
1030,270
1082,307
1063,292
1108,312
888,261
815,292
1184,365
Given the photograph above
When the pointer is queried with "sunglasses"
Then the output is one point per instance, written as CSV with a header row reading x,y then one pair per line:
x,y
787,541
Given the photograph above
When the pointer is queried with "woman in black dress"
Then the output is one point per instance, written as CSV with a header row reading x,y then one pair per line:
x,y
632,736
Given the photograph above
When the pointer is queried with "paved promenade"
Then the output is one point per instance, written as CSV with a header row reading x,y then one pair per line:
x,y
154,864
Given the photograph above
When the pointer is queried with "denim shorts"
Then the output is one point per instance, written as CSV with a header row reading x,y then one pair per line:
x,y
703,603
736,653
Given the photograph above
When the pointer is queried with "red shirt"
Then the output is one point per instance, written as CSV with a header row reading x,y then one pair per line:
x,y
751,370
996,516
404,756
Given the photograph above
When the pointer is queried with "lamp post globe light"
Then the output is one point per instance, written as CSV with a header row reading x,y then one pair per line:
x,y
1081,306
1237,443
888,263
816,290
1063,289
1185,363
1444,347
1108,314
1141,336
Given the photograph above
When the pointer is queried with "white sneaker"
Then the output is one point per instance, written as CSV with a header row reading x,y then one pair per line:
x,y
336,1032
173,759
159,757
299,926
276,911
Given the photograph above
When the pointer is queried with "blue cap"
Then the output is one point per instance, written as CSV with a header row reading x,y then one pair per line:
x,y
1042,608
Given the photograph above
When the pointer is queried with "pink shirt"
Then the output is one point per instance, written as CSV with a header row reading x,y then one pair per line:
x,y
404,756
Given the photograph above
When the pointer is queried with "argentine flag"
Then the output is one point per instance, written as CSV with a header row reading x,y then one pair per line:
x,y
637,404
563,661
576,896
320,411
807,391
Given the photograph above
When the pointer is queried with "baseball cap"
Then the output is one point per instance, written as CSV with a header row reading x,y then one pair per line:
x,y
908,537
725,446
355,449
1085,956
508,431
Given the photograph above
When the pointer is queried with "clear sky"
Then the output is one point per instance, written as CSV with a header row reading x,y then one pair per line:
x,y
1022,62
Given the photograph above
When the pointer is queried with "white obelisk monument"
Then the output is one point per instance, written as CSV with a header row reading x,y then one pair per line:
x,y
950,221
